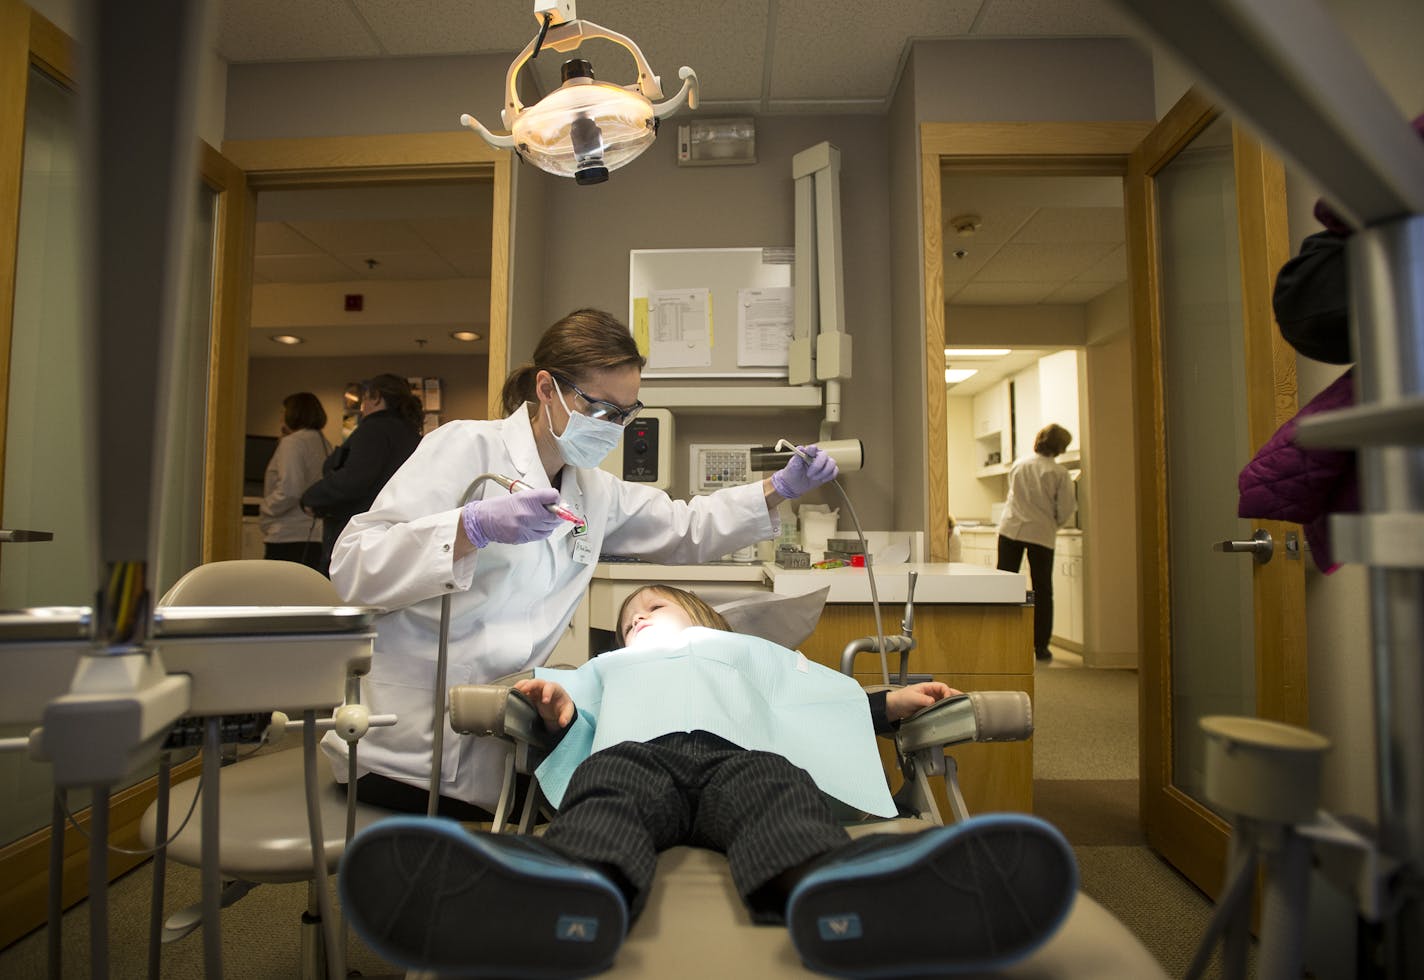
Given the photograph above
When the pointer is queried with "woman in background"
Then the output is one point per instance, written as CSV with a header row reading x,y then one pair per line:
x,y
385,437
288,533
1041,500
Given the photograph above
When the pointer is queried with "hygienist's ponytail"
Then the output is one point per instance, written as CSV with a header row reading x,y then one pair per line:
x,y
582,342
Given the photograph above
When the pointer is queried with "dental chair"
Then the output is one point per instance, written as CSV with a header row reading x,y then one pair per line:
x,y
262,806
695,924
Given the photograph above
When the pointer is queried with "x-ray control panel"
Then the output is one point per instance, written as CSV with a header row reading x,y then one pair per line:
x,y
718,465
645,454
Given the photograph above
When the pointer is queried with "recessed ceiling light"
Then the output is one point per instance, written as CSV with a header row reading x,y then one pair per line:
x,y
976,351
953,376
286,338
468,336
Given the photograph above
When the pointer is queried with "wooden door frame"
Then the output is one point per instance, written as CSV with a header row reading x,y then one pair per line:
x,y
1079,149
1188,834
290,164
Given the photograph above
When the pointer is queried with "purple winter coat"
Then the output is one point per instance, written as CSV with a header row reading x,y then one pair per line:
x,y
1286,482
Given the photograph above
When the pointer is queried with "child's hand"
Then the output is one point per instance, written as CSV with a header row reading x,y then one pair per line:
x,y
555,706
902,702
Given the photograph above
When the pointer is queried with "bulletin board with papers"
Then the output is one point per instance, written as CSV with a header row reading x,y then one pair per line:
x,y
711,312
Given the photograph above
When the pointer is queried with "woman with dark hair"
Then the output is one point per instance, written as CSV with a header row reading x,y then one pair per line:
x,y
1041,500
385,437
514,571
289,534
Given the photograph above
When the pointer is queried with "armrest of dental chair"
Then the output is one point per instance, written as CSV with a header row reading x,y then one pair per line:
x,y
921,741
498,710
979,716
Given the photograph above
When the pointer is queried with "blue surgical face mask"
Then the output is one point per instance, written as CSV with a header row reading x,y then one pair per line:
x,y
586,442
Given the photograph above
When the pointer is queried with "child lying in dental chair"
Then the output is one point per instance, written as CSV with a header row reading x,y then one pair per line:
x,y
771,736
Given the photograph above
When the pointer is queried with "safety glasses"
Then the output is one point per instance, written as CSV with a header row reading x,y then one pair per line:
x,y
602,410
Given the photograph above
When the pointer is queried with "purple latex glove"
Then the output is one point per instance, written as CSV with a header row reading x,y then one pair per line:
x,y
514,519
799,476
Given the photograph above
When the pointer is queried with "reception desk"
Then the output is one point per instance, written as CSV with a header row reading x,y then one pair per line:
x,y
973,627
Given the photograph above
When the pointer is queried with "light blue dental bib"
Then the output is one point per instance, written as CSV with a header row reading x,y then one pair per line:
x,y
749,691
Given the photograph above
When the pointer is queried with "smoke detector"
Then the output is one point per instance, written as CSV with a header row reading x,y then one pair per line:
x,y
965,225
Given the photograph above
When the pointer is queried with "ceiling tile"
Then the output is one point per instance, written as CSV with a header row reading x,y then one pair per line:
x,y
342,341
851,49
282,30
277,238
997,224
417,264
1051,18
1078,292
1111,268
450,26
1041,263
298,268
958,270
1059,225
361,236
723,42
1003,293
456,235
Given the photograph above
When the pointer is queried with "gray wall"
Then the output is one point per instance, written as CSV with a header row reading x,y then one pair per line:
x,y
653,203
292,100
1032,80
907,307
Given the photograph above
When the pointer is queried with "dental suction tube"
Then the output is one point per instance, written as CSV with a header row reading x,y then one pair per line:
x,y
849,455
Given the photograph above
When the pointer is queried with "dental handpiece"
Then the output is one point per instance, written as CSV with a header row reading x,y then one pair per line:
x,y
559,509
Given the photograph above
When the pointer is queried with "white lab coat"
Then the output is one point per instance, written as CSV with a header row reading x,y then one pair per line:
x,y
509,603
1041,500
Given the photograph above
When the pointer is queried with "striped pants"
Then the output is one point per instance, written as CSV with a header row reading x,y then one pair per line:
x,y
626,803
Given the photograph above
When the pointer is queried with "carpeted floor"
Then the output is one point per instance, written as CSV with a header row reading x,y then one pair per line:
x,y
1085,783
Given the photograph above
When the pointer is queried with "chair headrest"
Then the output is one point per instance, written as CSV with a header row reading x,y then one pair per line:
x,y
786,620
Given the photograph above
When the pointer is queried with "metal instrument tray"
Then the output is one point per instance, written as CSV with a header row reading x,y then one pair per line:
x,y
200,621
46,623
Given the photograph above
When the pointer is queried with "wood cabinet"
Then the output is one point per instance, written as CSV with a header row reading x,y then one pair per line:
x,y
970,647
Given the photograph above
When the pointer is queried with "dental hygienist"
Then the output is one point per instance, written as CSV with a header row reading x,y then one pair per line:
x,y
516,572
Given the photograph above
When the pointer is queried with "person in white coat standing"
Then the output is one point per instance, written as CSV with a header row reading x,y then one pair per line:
x,y
1041,500
514,571
288,532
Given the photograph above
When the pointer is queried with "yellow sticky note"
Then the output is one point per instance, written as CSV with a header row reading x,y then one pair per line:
x,y
640,324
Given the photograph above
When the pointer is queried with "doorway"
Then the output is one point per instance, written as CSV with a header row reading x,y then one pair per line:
x,y
1178,825
354,281
1036,306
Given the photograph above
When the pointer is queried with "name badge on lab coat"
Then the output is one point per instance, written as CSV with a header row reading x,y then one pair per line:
x,y
583,551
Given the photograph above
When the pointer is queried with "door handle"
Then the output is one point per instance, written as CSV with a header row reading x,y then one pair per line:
x,y
1260,547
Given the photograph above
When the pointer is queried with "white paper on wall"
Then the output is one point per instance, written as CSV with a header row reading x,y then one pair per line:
x,y
764,320
680,328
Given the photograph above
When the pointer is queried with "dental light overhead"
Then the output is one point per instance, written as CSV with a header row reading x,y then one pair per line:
x,y
584,128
